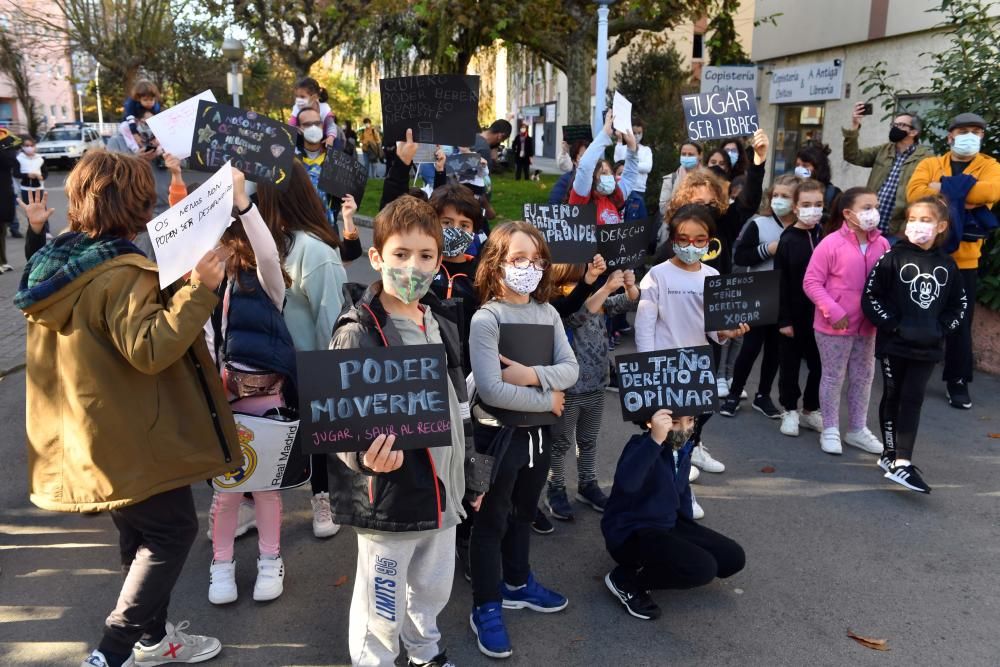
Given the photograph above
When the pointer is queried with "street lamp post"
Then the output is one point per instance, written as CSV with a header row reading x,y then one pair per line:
x,y
601,84
79,96
100,107
232,50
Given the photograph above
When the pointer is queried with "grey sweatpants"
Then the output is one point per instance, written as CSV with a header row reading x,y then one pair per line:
x,y
402,583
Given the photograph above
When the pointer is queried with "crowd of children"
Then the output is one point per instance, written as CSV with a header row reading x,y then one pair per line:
x,y
277,285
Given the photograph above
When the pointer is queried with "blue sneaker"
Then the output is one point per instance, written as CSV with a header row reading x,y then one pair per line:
x,y
491,635
534,596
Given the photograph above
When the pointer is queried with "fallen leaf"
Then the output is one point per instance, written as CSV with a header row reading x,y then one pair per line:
x,y
995,435
868,642
341,580
767,469
576,639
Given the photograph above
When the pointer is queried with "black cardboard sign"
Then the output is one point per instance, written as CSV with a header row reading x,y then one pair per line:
x,y
726,113
573,133
681,380
263,149
343,174
441,109
625,245
347,398
531,345
738,298
569,229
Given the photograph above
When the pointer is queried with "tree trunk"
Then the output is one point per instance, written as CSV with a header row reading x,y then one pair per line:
x,y
579,69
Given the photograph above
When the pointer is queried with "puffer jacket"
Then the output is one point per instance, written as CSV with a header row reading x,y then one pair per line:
x,y
413,497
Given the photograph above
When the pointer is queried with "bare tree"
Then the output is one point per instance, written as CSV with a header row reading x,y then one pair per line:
x,y
15,66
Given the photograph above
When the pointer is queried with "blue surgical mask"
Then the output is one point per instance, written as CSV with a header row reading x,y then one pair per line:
x,y
689,254
689,161
607,184
734,157
966,145
803,172
781,206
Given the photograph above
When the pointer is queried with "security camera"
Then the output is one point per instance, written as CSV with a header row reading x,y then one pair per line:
x,y
838,62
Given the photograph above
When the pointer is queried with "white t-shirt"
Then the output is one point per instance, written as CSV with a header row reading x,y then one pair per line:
x,y
671,312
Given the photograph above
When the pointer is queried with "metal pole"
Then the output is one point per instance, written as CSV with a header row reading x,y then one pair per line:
x,y
601,84
79,95
100,107
236,94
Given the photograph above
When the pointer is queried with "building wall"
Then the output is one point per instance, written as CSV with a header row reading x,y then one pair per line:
x,y
48,67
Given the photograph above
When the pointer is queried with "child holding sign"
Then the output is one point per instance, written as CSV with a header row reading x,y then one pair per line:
x,y
595,179
648,525
835,281
671,311
404,505
515,286
915,297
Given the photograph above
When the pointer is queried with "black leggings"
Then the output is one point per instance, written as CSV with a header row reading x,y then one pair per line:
x,y
502,530
904,386
3,242
792,351
320,479
522,166
758,337
686,556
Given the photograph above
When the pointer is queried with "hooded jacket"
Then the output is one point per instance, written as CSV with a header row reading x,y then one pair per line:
x,y
413,497
123,401
915,298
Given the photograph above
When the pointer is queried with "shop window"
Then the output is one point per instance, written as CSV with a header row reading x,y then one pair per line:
x,y
797,125
698,47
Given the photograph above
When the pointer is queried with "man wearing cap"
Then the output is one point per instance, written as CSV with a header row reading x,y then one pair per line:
x,y
892,165
970,182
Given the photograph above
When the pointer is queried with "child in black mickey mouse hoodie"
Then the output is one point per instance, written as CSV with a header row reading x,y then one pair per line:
x,y
915,298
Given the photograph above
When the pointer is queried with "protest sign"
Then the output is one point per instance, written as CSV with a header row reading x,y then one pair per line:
x,y
569,229
347,398
622,109
530,345
728,113
261,148
439,109
625,245
681,380
738,298
463,166
269,457
183,233
174,127
342,174
573,133
425,152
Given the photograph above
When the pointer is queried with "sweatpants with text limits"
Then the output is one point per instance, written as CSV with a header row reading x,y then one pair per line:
x,y
403,582
903,388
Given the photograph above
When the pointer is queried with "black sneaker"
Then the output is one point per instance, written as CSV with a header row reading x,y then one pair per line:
x,y
638,603
541,524
440,660
765,406
462,554
558,505
886,460
613,381
908,476
591,494
958,395
730,406
14,234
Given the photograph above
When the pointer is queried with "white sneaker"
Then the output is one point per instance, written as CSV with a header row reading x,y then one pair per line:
x,y
722,388
97,659
701,458
177,646
222,583
323,525
270,578
790,423
696,511
5,268
693,474
245,519
864,440
829,441
811,420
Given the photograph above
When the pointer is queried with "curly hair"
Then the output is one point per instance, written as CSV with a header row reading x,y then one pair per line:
x,y
695,180
110,194
490,274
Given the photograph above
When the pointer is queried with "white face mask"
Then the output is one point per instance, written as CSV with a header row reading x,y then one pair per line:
x,y
966,144
29,150
313,134
301,102
523,281
919,233
781,206
803,172
868,219
810,215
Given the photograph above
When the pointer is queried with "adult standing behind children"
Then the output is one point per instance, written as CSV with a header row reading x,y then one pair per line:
x,y
970,180
371,147
892,164
98,325
523,147
635,204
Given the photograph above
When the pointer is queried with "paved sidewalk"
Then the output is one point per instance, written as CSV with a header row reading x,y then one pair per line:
x,y
11,320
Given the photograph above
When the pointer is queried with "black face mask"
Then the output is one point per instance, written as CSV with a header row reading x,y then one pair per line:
x,y
897,134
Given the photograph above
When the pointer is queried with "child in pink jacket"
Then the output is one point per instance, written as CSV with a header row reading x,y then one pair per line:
x,y
835,281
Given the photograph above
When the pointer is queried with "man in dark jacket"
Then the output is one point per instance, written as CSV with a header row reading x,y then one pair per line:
x,y
524,149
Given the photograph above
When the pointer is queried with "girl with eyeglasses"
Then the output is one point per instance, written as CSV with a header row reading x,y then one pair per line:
x,y
514,284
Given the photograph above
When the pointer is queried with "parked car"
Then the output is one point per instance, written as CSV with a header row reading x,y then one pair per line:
x,y
67,142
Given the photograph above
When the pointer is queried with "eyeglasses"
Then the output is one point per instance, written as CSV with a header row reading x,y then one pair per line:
x,y
524,262
684,242
903,126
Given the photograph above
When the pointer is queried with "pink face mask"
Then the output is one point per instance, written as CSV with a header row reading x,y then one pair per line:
x,y
919,233
868,219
